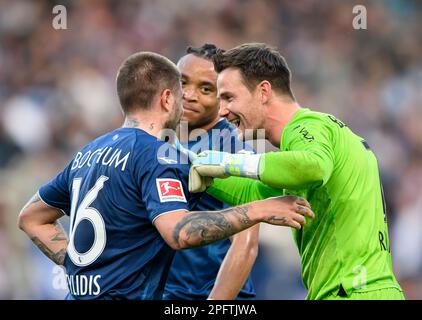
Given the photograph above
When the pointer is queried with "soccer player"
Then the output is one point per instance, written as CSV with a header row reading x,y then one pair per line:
x,y
128,206
220,270
345,250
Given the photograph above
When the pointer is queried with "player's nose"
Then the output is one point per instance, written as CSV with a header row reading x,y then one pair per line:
x,y
189,94
223,111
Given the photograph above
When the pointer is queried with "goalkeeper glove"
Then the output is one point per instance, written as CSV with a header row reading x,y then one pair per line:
x,y
217,164
197,182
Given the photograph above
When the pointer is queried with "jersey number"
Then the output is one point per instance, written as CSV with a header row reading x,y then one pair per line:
x,y
84,211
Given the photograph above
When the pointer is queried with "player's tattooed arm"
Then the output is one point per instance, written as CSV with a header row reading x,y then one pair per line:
x,y
184,229
201,228
56,257
39,222
57,235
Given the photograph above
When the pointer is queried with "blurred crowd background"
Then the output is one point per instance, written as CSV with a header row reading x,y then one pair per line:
x,y
57,92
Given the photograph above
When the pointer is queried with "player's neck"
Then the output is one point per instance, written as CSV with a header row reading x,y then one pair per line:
x,y
147,124
186,132
193,135
207,126
282,112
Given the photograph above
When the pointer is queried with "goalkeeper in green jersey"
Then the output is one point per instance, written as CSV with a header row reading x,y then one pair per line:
x,y
345,250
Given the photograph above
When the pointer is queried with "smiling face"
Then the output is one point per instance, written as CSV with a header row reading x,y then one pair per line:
x,y
239,105
200,93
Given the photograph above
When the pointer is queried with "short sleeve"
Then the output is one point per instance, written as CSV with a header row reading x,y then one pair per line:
x,y
56,192
164,188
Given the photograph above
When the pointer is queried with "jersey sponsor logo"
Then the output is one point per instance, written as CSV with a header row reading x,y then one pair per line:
x,y
305,133
170,190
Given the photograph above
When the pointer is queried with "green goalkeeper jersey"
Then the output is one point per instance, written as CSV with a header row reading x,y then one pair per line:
x,y
346,247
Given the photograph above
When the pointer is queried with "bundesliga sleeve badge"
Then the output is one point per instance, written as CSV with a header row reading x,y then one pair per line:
x,y
170,190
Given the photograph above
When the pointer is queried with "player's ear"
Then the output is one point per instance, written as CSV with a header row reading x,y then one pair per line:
x,y
166,100
265,91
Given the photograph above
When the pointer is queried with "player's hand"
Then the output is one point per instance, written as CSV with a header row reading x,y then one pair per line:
x,y
205,167
288,211
217,164
197,182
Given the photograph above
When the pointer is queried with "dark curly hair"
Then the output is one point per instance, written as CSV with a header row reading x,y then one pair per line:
x,y
207,51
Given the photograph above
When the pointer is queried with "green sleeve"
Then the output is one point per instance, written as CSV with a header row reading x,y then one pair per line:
x,y
306,158
235,190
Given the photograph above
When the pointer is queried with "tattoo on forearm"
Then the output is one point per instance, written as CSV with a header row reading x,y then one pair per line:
x,y
208,226
242,213
131,123
60,235
205,227
57,257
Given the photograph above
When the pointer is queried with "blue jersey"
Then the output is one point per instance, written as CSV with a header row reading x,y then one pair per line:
x,y
113,190
193,271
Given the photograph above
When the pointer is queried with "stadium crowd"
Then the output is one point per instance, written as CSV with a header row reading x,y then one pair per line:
x,y
57,92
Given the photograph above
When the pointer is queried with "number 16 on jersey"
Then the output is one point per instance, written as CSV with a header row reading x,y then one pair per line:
x,y
85,212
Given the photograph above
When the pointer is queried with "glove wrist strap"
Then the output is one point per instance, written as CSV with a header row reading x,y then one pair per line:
x,y
243,165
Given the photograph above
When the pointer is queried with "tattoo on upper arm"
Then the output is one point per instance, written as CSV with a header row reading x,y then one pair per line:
x,y
210,226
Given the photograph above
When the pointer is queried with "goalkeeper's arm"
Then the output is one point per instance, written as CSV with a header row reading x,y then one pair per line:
x,y
278,171
305,164
235,191
295,169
